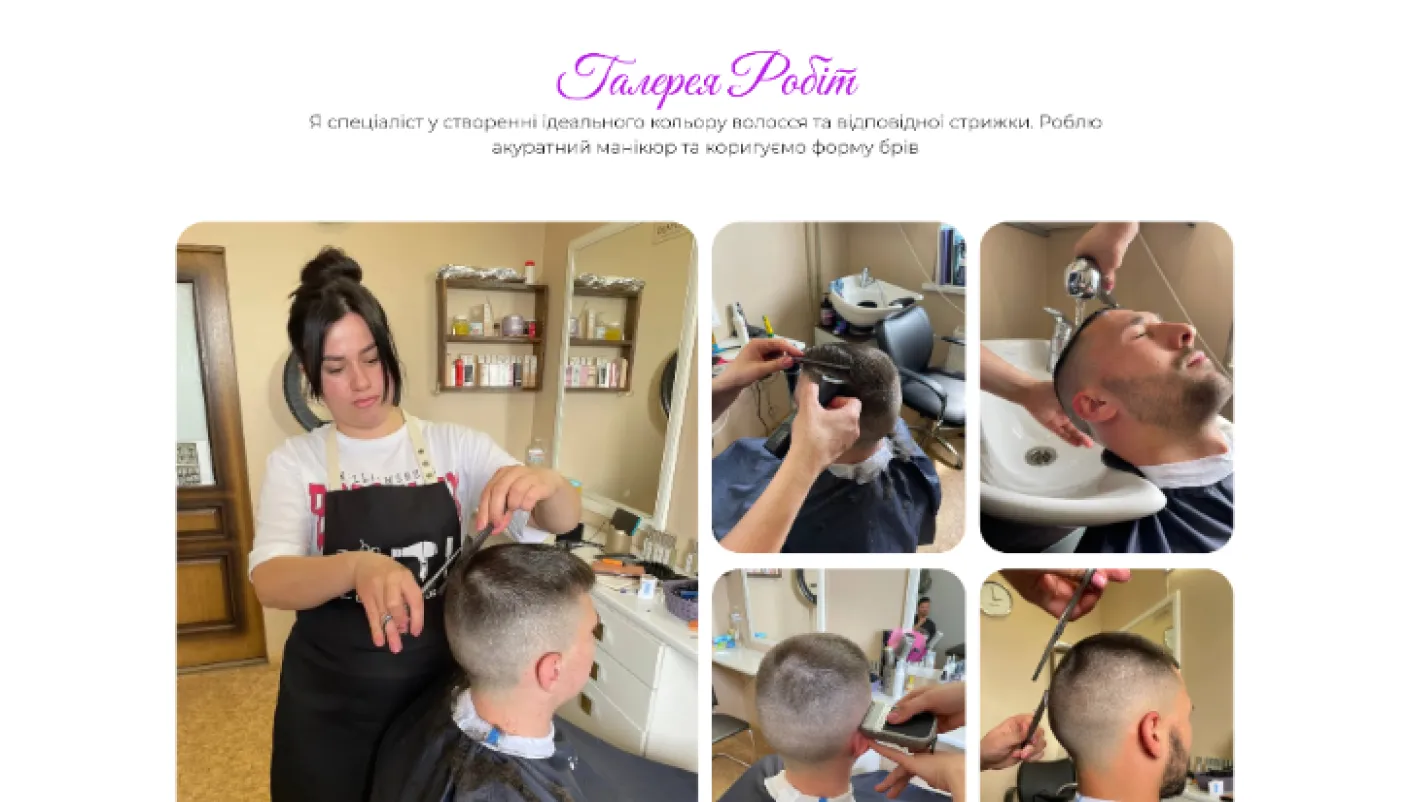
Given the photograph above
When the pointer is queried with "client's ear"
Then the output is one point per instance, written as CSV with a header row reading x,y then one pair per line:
x,y
858,744
1148,734
1092,408
548,670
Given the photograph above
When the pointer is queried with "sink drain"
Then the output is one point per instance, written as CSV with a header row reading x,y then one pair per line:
x,y
1040,456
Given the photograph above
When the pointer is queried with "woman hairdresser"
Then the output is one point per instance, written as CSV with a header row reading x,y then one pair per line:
x,y
354,519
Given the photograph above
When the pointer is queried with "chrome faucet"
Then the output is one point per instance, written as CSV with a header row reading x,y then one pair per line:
x,y
1062,333
1084,282
867,280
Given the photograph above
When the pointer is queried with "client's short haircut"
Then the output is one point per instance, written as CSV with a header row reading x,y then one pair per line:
x,y
508,605
874,382
1102,688
1068,374
813,692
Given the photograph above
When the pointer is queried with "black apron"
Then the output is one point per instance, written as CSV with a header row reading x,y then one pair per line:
x,y
338,692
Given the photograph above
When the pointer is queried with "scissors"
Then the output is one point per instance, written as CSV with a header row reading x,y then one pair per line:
x,y
1037,717
817,363
1062,622
474,547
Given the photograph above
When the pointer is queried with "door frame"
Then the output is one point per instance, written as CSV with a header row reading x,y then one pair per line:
x,y
230,536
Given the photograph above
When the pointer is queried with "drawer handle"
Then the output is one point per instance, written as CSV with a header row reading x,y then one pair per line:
x,y
585,703
597,631
593,673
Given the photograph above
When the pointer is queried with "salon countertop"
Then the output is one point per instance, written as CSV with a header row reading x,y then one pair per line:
x,y
653,617
745,661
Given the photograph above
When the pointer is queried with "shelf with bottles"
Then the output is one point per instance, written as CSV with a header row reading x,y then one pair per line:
x,y
478,371
607,321
598,374
491,313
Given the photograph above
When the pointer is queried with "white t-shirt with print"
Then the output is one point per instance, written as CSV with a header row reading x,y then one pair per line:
x,y
289,520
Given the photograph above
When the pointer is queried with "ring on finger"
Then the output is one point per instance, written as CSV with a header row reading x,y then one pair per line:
x,y
386,619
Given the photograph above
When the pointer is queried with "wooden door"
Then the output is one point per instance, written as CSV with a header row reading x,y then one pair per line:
x,y
218,617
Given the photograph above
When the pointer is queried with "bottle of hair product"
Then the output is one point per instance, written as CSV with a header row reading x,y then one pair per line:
x,y
460,371
828,315
529,271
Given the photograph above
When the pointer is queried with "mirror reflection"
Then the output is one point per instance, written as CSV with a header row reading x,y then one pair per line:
x,y
626,316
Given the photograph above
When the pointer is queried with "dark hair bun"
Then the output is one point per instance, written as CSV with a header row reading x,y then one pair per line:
x,y
330,265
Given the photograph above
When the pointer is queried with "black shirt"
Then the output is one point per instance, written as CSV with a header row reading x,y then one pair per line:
x,y
929,629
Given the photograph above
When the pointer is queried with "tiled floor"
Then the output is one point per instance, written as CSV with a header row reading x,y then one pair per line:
x,y
223,724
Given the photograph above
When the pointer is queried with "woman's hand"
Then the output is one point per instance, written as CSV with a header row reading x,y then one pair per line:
x,y
1042,403
945,702
943,771
514,488
385,587
758,359
822,435
1106,244
1003,746
1052,590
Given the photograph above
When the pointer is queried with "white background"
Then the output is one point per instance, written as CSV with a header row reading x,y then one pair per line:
x,y
1285,124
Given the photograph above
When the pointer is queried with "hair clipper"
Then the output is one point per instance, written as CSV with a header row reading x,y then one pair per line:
x,y
916,734
829,387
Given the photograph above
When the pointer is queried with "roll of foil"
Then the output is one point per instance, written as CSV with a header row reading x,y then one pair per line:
x,y
505,274
595,281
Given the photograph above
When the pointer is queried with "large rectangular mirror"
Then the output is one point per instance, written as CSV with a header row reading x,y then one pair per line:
x,y
627,345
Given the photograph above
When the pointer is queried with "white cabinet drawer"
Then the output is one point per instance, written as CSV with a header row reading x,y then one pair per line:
x,y
621,687
637,651
595,713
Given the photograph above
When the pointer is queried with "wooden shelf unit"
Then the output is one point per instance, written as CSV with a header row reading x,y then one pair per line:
x,y
444,338
627,345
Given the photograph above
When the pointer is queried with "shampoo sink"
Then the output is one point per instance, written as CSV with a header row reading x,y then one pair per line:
x,y
1028,475
863,301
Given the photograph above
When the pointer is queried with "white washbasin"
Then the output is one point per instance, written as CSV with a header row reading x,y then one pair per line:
x,y
1071,488
881,300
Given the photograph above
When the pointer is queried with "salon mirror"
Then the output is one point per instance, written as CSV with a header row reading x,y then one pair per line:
x,y
1160,624
627,365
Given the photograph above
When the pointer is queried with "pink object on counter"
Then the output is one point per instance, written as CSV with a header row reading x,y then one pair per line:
x,y
917,648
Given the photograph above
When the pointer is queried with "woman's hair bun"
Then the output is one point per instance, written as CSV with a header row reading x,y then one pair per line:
x,y
328,266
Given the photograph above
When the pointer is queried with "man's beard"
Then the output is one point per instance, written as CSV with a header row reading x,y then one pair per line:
x,y
1177,400
1176,769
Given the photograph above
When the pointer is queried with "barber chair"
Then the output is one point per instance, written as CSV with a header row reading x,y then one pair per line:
x,y
724,726
934,394
1044,781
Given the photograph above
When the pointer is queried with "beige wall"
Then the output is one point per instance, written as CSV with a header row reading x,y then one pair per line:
x,y
1011,646
776,609
399,262
614,442
764,266
1011,296
1207,654
863,602
1123,602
